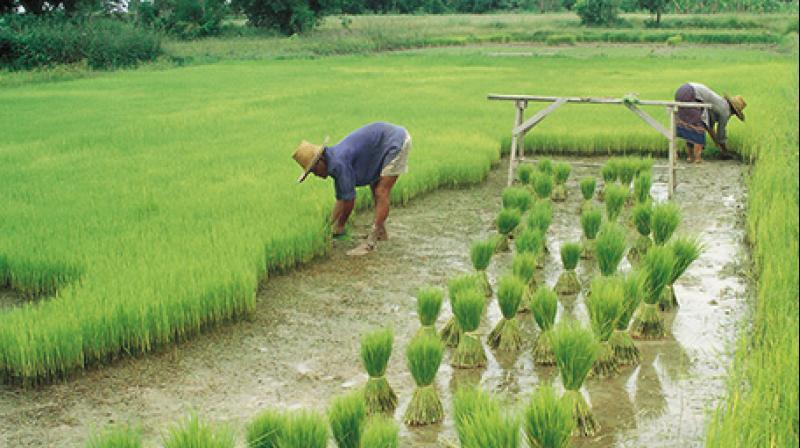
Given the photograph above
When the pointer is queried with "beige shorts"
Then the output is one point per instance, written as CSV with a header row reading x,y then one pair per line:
x,y
399,165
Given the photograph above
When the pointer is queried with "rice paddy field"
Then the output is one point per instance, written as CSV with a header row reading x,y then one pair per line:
x,y
142,208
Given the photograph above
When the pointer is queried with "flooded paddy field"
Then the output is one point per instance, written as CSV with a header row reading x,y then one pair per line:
x,y
300,347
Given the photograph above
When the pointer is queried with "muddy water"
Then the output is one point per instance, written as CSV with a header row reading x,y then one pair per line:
x,y
301,345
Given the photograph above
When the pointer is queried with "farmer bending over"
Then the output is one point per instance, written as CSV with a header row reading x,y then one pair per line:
x,y
372,155
692,123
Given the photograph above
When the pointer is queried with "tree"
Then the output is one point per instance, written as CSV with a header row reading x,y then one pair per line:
x,y
597,12
287,16
656,7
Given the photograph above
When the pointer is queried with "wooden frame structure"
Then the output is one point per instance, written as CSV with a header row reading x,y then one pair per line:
x,y
522,127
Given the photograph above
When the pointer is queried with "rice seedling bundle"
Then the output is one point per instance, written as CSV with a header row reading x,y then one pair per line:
x,y
541,216
548,420
642,217
641,187
615,197
506,335
266,429
507,220
568,283
665,218
605,305
609,174
545,166
451,332
346,416
610,248
380,432
544,305
469,353
424,356
429,305
625,351
116,437
543,185
304,429
588,185
524,173
195,433
627,169
590,223
523,266
518,198
561,172
480,423
648,323
644,165
529,241
480,254
376,349
685,251
576,350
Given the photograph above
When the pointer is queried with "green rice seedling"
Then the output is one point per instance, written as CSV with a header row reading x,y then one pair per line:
x,y
506,335
524,173
590,223
544,305
625,351
644,165
376,349
468,309
424,356
561,172
518,198
547,420
568,283
576,349
380,432
627,169
615,197
665,218
429,305
588,186
195,433
685,251
304,429
648,323
266,429
451,332
480,423
480,254
346,415
642,217
530,241
543,185
610,248
609,174
540,216
605,306
116,437
507,220
523,266
545,166
641,187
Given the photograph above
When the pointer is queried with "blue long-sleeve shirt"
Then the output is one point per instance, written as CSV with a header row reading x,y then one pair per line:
x,y
359,158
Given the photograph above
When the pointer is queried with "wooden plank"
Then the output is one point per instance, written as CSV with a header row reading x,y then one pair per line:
x,y
541,115
649,120
671,173
592,100
599,165
520,114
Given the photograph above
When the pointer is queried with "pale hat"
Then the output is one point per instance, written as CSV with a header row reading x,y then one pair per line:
x,y
738,105
307,155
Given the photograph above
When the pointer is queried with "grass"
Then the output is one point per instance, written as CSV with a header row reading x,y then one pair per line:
x,y
424,356
614,196
588,185
664,220
542,185
468,309
506,334
625,350
346,416
568,282
541,216
605,305
685,250
641,186
376,348
304,429
648,323
544,306
518,198
529,241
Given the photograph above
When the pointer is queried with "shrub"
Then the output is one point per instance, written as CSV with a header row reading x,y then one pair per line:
x,y
287,16
674,40
597,12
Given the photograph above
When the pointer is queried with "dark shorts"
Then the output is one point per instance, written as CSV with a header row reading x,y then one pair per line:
x,y
690,125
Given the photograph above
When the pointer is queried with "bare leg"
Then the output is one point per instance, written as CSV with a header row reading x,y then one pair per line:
x,y
698,153
381,192
689,152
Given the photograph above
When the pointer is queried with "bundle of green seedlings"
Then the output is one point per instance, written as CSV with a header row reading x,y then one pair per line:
x,y
605,305
641,187
685,251
590,223
506,335
116,437
480,423
664,219
523,266
648,323
588,185
568,283
451,332
642,217
468,308
610,248
544,305
380,432
346,416
266,429
545,166
424,356
529,241
304,429
540,217
481,255
507,220
542,185
518,198
576,350
615,197
644,165
196,433
376,348
627,169
609,174
548,420
561,171
625,351
429,305
525,173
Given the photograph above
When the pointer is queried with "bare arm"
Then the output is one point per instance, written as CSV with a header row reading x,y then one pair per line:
x,y
341,212
714,137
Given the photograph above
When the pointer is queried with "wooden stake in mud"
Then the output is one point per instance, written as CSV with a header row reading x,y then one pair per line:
x,y
673,111
520,105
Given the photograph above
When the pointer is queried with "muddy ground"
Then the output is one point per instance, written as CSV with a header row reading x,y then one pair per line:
x,y
301,346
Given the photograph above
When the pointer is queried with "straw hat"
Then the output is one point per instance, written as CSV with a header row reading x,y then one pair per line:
x,y
738,105
307,155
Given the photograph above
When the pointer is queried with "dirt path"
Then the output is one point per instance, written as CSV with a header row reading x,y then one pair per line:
x,y
300,347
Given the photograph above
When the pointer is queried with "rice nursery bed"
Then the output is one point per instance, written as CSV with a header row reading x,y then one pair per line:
x,y
300,347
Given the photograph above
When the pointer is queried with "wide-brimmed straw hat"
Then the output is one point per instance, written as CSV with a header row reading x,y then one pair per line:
x,y
307,155
738,105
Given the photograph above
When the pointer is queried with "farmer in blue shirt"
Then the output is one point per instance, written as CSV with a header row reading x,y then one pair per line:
x,y
374,155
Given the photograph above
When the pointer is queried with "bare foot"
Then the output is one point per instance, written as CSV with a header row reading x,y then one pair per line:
x,y
381,234
362,249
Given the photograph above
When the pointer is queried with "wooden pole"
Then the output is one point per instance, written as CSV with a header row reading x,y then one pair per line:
x,y
520,105
672,110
